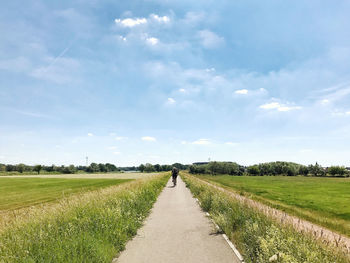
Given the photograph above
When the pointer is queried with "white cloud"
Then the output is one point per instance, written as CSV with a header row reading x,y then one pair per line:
x,y
122,38
182,90
279,107
183,142
161,19
131,22
148,138
116,153
120,138
152,41
231,143
209,39
171,101
90,134
324,101
112,134
242,91
347,113
202,142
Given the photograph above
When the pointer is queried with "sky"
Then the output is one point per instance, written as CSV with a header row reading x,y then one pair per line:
x,y
164,81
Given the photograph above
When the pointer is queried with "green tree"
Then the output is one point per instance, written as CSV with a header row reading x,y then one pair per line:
x,y
37,168
316,170
149,168
141,168
337,171
20,167
253,170
157,167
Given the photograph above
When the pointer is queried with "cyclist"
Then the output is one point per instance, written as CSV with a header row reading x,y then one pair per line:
x,y
174,173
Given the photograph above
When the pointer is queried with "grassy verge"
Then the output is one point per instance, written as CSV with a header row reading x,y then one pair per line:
x,y
17,193
259,238
324,201
91,227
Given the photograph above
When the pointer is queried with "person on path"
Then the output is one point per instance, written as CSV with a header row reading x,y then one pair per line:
x,y
174,173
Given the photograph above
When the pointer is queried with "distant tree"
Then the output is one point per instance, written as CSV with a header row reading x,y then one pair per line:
x,y
337,171
49,168
10,168
157,167
93,168
69,169
303,170
20,167
253,170
102,168
316,170
37,168
2,167
141,168
149,168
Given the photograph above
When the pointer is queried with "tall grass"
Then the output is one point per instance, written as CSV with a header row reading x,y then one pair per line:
x,y
258,237
92,227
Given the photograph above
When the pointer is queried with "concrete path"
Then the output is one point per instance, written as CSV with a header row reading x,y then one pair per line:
x,y
177,231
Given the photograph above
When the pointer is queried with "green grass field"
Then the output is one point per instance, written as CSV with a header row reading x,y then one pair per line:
x,y
23,192
324,201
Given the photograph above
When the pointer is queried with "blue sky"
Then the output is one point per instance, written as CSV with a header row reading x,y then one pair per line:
x,y
158,81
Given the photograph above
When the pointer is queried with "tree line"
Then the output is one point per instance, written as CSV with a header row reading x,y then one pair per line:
x,y
148,168
268,169
70,169
213,168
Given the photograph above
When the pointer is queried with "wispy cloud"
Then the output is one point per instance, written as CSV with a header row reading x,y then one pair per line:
x,y
202,142
279,107
120,138
148,138
161,19
209,39
242,91
130,22
90,134
137,21
152,41
171,101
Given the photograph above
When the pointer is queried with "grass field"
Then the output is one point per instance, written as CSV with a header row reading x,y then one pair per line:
x,y
92,226
257,236
324,201
22,192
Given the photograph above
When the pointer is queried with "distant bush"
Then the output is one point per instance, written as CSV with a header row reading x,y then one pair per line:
x,y
215,168
338,171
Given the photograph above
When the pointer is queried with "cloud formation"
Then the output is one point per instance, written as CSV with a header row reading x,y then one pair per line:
x,y
202,142
130,22
148,138
279,107
209,39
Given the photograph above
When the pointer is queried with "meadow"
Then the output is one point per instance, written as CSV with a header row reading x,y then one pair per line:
x,y
17,192
91,226
324,201
258,237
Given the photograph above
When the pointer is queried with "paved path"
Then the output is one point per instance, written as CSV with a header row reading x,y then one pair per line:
x,y
177,231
